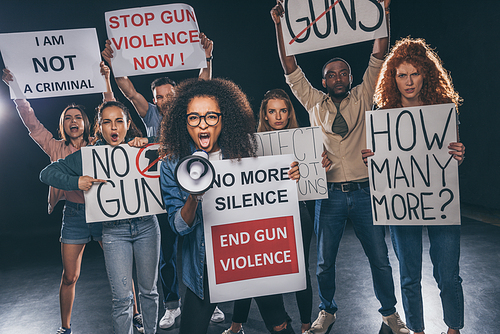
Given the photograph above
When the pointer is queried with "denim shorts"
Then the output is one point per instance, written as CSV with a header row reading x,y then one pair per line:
x,y
75,229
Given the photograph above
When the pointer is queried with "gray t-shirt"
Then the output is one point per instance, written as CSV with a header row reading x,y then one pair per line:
x,y
152,120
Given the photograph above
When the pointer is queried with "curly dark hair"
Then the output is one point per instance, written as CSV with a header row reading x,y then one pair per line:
x,y
278,94
238,123
133,130
437,86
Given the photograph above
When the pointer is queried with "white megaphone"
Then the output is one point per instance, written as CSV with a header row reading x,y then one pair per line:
x,y
194,173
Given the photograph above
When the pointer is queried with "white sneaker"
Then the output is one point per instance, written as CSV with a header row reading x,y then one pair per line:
x,y
322,324
168,319
396,324
218,315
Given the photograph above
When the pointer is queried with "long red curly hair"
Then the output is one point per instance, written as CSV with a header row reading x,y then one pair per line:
x,y
437,86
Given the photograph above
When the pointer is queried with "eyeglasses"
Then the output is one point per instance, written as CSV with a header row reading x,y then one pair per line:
x,y
211,118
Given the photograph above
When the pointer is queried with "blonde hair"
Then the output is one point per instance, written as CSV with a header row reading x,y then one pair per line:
x,y
278,94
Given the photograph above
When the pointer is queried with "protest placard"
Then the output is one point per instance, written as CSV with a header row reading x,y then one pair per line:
x,y
53,63
133,182
306,145
253,238
154,39
316,25
413,178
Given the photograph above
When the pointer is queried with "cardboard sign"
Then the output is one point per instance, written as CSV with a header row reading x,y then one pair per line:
x,y
317,25
413,178
306,145
133,182
154,39
53,63
253,238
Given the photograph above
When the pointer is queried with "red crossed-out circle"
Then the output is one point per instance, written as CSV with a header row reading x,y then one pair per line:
x,y
143,172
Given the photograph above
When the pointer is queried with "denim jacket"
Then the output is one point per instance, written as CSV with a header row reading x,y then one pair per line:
x,y
193,247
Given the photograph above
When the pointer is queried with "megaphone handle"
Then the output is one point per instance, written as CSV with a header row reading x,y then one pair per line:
x,y
198,198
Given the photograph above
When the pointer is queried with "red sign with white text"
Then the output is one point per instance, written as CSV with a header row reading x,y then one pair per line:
x,y
253,249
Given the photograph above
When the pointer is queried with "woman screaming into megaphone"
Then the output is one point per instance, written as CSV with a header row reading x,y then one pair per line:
x,y
214,116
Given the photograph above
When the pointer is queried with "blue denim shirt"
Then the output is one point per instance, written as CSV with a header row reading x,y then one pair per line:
x,y
193,247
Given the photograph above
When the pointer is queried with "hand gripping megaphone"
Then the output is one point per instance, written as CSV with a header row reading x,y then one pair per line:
x,y
194,173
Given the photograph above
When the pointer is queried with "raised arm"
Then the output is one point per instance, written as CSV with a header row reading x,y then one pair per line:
x,y
37,131
381,45
208,46
126,86
288,63
106,72
7,76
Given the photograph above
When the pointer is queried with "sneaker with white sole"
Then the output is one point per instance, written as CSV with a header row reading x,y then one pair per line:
x,y
396,324
229,331
63,330
218,315
138,324
323,324
168,319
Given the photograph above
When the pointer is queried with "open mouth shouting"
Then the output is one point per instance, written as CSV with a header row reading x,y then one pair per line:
x,y
204,140
114,137
205,136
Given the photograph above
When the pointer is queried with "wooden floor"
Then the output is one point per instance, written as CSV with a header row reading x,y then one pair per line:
x,y
30,273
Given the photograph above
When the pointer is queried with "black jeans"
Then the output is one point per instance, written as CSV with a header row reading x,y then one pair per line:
x,y
168,259
305,297
196,312
271,308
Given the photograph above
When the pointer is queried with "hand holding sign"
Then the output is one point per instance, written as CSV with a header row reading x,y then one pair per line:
x,y
85,182
107,53
138,142
458,151
326,163
10,81
207,44
277,12
365,153
294,172
7,76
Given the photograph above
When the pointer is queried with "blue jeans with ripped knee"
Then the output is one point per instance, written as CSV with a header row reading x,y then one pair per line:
x,y
122,242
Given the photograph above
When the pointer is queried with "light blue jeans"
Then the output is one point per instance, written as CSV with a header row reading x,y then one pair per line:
x,y
445,255
124,241
329,223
